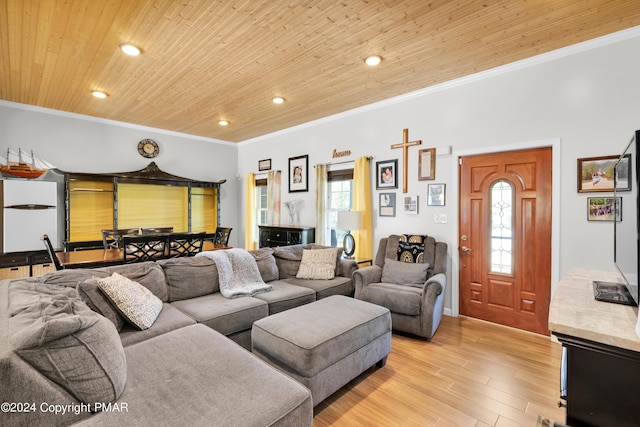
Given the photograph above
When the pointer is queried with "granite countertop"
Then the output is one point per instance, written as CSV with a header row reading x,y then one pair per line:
x,y
574,311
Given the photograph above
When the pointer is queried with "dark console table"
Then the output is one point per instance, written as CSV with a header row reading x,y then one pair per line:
x,y
602,352
272,236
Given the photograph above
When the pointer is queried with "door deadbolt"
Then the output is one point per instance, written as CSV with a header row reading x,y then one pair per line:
x,y
463,238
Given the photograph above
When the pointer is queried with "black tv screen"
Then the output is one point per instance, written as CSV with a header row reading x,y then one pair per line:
x,y
627,223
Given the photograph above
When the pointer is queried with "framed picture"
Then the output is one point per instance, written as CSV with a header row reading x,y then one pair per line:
x,y
623,174
387,174
604,208
387,204
596,174
427,164
264,165
298,174
436,195
411,205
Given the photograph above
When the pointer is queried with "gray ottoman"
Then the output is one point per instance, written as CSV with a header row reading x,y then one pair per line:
x,y
325,344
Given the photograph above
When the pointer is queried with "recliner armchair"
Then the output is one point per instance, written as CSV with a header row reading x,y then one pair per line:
x,y
414,293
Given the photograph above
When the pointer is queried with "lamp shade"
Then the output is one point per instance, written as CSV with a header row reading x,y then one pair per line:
x,y
349,220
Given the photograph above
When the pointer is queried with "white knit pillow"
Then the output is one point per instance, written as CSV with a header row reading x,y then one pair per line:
x,y
318,264
136,303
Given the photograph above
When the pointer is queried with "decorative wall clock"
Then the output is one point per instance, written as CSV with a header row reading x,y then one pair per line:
x,y
148,148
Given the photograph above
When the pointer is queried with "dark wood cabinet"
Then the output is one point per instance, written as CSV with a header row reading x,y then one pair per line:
x,y
600,370
602,383
272,236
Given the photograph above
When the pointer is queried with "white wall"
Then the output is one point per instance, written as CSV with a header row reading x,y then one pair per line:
x,y
77,143
587,96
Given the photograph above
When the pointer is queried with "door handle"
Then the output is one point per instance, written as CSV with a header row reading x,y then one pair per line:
x,y
465,249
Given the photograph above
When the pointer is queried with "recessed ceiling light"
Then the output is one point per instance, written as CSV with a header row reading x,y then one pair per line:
x,y
223,122
278,100
130,49
99,94
373,60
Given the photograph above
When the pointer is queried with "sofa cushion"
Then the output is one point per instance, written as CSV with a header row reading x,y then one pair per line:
x,y
399,299
72,277
323,288
284,296
190,277
149,274
288,260
195,376
266,264
135,302
169,319
225,315
317,264
89,293
404,273
67,342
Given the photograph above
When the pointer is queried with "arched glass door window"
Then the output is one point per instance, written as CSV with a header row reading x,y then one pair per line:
x,y
502,227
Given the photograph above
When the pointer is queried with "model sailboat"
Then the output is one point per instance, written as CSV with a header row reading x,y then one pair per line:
x,y
23,165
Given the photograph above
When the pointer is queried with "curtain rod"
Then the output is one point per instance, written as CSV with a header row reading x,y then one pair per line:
x,y
346,161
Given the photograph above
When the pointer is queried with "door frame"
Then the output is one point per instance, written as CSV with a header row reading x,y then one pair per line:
x,y
555,144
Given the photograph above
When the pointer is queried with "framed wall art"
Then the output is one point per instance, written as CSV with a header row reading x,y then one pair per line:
x,y
387,204
264,165
435,196
604,208
411,205
596,174
427,164
298,174
387,174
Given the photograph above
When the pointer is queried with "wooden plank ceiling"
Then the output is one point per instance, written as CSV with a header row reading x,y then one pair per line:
x,y
205,60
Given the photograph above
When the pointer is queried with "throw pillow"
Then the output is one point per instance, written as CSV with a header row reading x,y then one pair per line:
x,y
136,303
402,273
411,248
98,302
318,264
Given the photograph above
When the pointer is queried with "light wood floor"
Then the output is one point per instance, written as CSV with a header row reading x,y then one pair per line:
x,y
472,373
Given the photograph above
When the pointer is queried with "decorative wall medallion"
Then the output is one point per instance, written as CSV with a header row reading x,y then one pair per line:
x,y
148,148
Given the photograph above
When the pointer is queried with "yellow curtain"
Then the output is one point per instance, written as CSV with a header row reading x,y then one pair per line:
x,y
362,203
250,213
322,223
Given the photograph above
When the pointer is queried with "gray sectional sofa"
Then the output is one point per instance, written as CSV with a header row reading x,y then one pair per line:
x,y
62,361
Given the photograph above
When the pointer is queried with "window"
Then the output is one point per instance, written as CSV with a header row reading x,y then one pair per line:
x,y
261,203
340,199
501,227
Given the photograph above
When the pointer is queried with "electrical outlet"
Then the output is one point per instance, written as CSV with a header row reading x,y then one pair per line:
x,y
440,218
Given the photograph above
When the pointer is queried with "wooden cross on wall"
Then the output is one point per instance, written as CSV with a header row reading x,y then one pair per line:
x,y
405,156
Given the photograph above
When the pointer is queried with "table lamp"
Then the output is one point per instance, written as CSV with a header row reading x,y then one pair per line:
x,y
349,221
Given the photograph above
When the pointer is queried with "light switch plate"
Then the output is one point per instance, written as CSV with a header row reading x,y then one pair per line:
x,y
440,218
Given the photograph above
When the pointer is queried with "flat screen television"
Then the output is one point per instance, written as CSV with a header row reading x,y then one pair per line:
x,y
626,224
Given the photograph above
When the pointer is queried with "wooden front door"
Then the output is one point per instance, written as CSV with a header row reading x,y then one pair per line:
x,y
505,238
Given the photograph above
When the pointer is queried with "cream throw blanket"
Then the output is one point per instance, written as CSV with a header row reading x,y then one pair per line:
x,y
238,272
